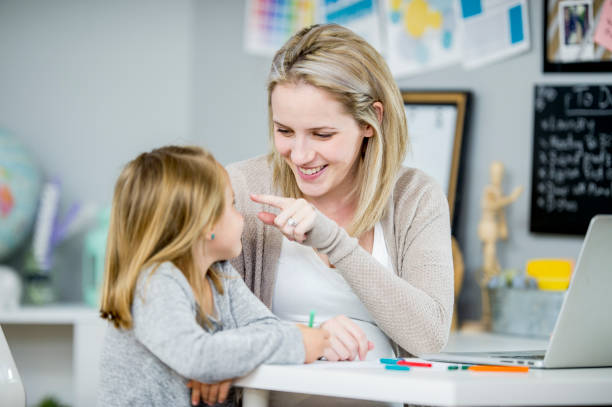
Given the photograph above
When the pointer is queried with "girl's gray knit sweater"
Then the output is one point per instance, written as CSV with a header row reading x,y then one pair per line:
x,y
151,363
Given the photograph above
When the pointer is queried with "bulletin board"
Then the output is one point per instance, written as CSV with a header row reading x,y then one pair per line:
x,y
568,29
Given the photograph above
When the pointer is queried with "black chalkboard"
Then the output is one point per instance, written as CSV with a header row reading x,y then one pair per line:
x,y
572,157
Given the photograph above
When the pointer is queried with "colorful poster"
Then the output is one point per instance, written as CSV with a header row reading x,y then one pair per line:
x,y
421,35
576,32
361,16
269,23
493,30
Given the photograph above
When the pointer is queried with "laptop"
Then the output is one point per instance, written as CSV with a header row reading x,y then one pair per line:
x,y
582,336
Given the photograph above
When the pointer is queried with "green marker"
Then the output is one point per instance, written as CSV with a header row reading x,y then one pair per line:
x,y
311,320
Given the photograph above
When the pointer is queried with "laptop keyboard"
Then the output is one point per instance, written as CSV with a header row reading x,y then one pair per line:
x,y
530,357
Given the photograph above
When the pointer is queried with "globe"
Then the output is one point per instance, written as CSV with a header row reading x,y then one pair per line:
x,y
20,183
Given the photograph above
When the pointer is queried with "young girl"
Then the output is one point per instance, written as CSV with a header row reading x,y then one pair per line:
x,y
179,311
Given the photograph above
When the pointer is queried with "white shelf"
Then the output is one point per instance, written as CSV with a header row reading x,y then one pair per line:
x,y
53,314
43,338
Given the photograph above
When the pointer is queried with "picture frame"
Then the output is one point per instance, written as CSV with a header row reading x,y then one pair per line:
x,y
437,127
567,29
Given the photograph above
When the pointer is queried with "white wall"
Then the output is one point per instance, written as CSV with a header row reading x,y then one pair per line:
x,y
89,84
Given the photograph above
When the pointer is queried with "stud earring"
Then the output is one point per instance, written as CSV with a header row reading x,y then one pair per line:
x,y
212,237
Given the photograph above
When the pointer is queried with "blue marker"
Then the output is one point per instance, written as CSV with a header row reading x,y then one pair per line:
x,y
387,361
397,367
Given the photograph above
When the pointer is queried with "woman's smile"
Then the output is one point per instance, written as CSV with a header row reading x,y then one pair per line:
x,y
311,173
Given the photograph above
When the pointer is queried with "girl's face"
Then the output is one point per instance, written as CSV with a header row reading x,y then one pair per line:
x,y
228,230
317,138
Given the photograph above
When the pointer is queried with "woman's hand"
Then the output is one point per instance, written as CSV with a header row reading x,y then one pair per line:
x,y
347,340
295,219
209,393
316,340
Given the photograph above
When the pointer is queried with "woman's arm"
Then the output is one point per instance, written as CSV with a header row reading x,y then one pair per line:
x,y
165,323
413,308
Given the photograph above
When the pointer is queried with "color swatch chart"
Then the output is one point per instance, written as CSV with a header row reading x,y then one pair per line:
x,y
271,22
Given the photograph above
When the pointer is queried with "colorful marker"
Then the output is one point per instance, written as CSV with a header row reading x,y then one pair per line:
x,y
492,368
455,367
387,361
415,364
396,367
311,320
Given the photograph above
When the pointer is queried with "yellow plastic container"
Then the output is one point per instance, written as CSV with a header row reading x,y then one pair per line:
x,y
551,274
553,284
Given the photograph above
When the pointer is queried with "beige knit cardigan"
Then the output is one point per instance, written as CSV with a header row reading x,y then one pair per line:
x,y
413,303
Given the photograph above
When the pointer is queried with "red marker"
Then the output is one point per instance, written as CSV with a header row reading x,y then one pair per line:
x,y
415,364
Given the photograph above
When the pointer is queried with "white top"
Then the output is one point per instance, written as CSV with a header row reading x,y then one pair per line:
x,y
305,283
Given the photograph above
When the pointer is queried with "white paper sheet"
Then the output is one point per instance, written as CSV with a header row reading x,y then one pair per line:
x,y
500,30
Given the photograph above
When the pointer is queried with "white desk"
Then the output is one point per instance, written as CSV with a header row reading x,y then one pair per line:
x,y
437,386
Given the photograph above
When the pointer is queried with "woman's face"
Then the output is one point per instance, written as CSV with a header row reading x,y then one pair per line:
x,y
317,138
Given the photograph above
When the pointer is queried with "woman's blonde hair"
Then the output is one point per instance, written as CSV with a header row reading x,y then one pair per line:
x,y
335,59
164,201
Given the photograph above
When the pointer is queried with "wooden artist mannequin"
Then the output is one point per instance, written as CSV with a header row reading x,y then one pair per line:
x,y
493,226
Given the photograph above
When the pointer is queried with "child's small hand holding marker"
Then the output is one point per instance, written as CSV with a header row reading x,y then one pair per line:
x,y
316,340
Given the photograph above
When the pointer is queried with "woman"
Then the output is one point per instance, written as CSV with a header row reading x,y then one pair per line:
x,y
380,278
338,133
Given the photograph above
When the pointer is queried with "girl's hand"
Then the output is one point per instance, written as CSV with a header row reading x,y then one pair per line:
x,y
347,340
209,393
316,340
295,219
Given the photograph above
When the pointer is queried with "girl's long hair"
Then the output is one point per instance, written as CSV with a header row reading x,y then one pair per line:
x,y
164,202
333,58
